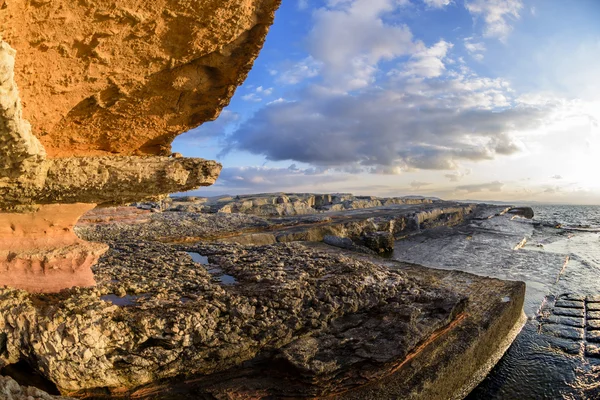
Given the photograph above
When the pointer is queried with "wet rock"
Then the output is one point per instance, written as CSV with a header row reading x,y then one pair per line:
x,y
566,332
346,243
569,312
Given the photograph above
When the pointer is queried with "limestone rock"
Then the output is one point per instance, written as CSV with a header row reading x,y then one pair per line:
x,y
102,87
289,204
28,178
21,154
127,77
156,314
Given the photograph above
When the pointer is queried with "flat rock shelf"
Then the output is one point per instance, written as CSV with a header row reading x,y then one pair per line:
x,y
292,318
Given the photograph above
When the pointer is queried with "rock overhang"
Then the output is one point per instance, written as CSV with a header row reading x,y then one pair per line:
x,y
92,95
128,77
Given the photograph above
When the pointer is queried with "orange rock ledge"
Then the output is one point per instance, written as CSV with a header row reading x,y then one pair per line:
x,y
39,252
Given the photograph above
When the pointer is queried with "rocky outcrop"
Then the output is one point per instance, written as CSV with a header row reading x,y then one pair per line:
x,y
170,316
287,204
380,242
91,94
110,180
385,222
525,212
129,76
21,154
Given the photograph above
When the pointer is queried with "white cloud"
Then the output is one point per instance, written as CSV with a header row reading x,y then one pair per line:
x,y
300,71
497,15
302,4
437,3
475,49
276,101
350,38
403,124
418,185
251,179
257,95
252,97
457,175
427,62
266,92
495,186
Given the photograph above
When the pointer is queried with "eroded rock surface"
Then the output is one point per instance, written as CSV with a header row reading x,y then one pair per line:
x,y
129,76
90,94
219,319
176,318
176,225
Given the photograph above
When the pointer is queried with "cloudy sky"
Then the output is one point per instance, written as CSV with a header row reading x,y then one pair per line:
x,y
460,99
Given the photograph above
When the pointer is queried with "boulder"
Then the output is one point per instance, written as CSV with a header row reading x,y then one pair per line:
x,y
11,390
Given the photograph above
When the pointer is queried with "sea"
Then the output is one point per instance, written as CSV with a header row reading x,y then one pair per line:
x,y
557,353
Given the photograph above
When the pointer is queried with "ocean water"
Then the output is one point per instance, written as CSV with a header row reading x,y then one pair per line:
x,y
557,354
571,217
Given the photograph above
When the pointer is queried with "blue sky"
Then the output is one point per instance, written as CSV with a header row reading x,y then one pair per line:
x,y
461,99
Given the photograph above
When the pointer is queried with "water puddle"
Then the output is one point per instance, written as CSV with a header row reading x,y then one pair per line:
x,y
217,273
222,277
125,301
199,258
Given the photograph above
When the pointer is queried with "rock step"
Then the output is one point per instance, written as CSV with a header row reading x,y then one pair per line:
x,y
573,321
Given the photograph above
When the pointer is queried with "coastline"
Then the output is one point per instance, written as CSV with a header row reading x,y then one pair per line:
x,y
128,281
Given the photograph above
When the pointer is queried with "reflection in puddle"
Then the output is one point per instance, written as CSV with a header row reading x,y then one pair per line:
x,y
125,301
216,272
199,258
221,277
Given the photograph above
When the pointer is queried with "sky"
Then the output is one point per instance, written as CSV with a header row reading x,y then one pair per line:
x,y
457,99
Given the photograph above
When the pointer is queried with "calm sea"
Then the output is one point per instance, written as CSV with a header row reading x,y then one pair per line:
x,y
586,217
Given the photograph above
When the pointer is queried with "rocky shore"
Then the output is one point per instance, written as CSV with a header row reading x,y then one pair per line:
x,y
251,304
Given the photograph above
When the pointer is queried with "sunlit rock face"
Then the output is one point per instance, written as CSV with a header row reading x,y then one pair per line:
x,y
40,253
128,76
91,96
